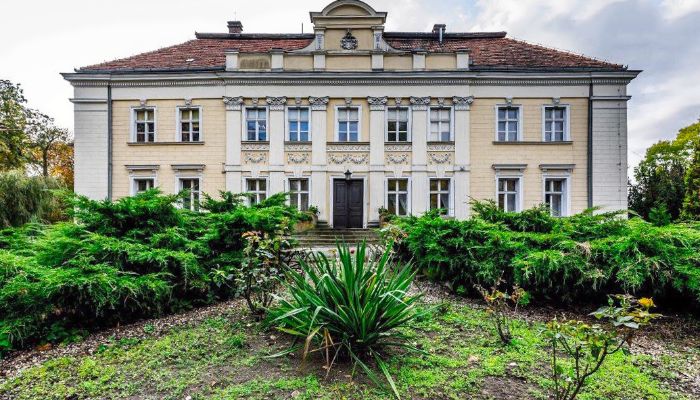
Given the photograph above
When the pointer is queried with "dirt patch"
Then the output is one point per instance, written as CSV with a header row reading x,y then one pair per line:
x,y
505,388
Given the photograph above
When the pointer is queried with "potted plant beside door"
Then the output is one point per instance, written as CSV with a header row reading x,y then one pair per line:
x,y
308,221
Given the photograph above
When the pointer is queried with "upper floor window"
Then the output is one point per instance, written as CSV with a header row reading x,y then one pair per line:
x,y
508,123
555,124
257,188
555,192
299,194
348,124
192,188
141,185
190,124
440,194
440,124
298,124
256,124
397,124
145,125
509,194
397,196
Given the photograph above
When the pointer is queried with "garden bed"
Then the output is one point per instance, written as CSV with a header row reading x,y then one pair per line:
x,y
217,352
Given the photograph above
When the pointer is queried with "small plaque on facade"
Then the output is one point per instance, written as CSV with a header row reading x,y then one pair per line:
x,y
349,42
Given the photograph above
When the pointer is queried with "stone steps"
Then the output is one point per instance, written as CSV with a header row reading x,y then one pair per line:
x,y
323,236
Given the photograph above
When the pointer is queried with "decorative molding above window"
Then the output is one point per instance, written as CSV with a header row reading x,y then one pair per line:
x,y
254,146
394,147
420,103
557,167
509,167
142,168
441,147
319,103
348,147
276,103
233,103
462,103
377,103
297,147
188,167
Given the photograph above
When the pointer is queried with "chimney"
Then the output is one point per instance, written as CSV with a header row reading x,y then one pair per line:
x,y
439,30
235,27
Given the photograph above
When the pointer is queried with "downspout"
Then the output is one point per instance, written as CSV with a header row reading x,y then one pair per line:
x,y
589,169
110,167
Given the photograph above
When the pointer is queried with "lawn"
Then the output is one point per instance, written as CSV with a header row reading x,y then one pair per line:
x,y
220,353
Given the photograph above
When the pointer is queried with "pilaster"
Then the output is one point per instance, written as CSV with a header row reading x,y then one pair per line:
x,y
234,124
276,130
419,191
377,118
319,177
462,107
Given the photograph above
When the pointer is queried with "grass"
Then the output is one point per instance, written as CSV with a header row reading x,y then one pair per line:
x,y
226,358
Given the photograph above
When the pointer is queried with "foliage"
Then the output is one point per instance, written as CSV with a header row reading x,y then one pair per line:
x,y
661,175
136,257
691,202
46,141
349,307
499,307
659,215
24,199
588,345
13,121
579,259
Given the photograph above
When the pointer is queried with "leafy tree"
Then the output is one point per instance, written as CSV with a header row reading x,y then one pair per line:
x,y
13,120
691,203
661,175
46,139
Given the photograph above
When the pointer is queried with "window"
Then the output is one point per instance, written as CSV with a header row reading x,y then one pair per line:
x,y
257,188
508,124
397,124
299,194
145,125
509,194
256,124
397,196
348,124
141,185
440,125
440,194
192,187
555,124
190,124
555,196
298,124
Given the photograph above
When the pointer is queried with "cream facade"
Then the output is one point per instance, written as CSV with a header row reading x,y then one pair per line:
x,y
351,120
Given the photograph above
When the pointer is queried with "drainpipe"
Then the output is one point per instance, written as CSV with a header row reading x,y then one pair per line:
x,y
110,166
590,146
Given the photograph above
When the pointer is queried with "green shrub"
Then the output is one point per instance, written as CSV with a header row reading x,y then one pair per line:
x,y
579,258
24,199
351,307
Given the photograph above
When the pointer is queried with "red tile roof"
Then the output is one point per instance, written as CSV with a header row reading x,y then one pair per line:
x,y
487,51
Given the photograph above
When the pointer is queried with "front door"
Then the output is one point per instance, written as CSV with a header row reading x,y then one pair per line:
x,y
347,203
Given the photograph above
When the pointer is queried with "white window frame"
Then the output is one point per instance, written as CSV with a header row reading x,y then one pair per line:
x,y
178,123
409,133
451,194
178,185
245,123
288,188
132,182
566,201
567,122
134,110
288,132
521,120
520,188
359,122
409,209
260,178
452,123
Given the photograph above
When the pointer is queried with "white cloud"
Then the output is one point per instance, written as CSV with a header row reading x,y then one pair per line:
x,y
680,8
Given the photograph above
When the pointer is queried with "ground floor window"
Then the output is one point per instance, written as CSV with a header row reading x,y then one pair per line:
x,y
509,194
141,185
397,196
257,189
440,194
299,194
555,196
191,187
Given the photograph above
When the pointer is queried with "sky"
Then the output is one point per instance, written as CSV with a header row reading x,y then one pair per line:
x,y
44,38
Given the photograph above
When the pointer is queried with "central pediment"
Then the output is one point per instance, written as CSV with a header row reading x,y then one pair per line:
x,y
348,12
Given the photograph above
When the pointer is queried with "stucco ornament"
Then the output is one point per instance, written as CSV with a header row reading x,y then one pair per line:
x,y
255,158
394,159
298,158
348,42
442,158
341,159
233,103
319,103
276,103
377,103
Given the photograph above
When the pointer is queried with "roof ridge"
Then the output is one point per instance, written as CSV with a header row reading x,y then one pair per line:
x,y
570,52
448,35
253,36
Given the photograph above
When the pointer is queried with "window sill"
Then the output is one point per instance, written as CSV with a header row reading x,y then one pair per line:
x,y
407,143
348,143
298,142
532,142
165,143
441,142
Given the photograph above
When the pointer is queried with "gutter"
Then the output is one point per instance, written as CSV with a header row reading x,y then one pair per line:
x,y
110,166
589,149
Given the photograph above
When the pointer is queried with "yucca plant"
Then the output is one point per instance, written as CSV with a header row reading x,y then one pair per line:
x,y
351,307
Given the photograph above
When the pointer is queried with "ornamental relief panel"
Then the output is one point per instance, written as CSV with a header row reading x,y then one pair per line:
x,y
297,147
397,159
440,158
441,147
299,158
255,158
338,147
400,147
251,146
344,159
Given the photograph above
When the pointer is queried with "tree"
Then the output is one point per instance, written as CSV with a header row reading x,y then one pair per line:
x,y
661,175
13,120
45,138
691,203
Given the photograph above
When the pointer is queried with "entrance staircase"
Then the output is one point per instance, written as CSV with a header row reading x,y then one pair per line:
x,y
325,237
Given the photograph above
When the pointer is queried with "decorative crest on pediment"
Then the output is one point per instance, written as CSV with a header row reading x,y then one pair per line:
x,y
348,42
233,103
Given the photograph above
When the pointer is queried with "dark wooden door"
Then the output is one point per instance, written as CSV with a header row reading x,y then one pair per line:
x,y
347,203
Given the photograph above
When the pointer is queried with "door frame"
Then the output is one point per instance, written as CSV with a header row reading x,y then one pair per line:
x,y
362,178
